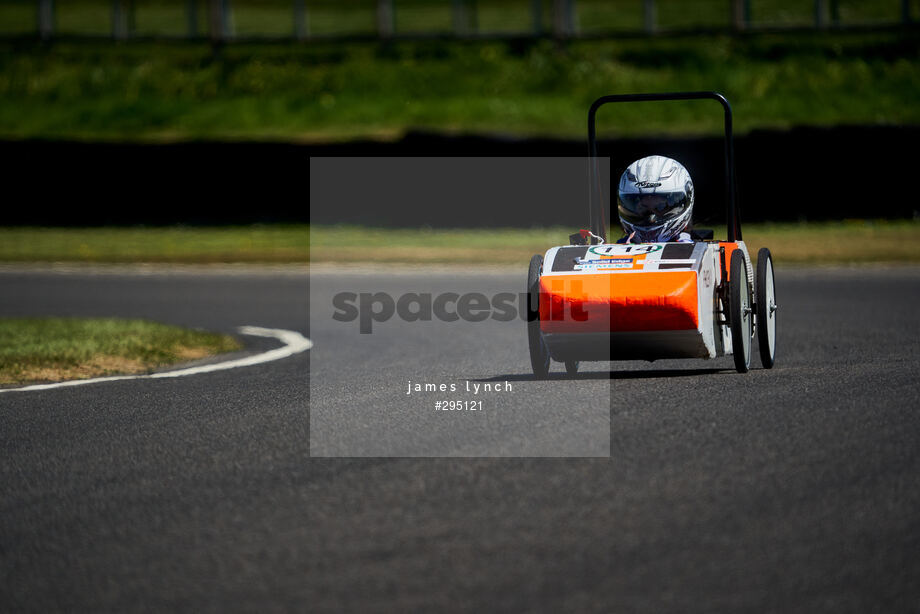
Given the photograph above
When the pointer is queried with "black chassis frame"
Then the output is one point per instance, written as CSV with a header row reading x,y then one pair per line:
x,y
596,208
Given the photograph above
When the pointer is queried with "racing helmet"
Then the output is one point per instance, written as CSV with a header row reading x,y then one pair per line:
x,y
655,199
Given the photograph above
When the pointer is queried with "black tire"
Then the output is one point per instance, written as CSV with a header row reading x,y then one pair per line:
x,y
571,367
740,306
766,308
539,353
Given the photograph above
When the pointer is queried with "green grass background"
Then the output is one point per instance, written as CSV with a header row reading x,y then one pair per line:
x,y
332,17
149,91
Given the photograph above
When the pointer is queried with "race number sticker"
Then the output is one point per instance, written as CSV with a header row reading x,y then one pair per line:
x,y
612,251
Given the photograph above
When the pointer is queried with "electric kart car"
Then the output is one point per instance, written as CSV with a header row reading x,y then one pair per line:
x,y
597,300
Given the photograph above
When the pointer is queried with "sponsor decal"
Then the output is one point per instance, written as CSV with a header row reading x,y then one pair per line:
x,y
604,263
648,184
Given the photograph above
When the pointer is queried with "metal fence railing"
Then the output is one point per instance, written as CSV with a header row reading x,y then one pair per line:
x,y
333,19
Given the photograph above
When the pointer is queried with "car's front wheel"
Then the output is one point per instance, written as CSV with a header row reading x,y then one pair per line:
x,y
539,353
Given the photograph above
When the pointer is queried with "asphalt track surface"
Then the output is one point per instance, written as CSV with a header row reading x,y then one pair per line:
x,y
793,489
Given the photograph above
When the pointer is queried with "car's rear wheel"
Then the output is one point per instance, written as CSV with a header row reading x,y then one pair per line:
x,y
742,315
539,353
766,309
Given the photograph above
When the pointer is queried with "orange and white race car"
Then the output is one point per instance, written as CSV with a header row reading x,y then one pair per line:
x,y
595,300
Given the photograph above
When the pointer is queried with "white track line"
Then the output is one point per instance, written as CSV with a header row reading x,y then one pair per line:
x,y
294,343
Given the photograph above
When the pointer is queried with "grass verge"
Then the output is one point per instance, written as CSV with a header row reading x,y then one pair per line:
x,y
813,243
847,242
176,244
58,349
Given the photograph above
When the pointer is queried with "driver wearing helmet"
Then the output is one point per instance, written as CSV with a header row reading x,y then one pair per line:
x,y
655,201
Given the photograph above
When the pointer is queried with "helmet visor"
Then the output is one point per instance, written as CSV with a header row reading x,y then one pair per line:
x,y
648,209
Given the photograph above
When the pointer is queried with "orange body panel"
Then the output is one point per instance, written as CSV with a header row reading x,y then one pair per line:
x,y
729,248
598,302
